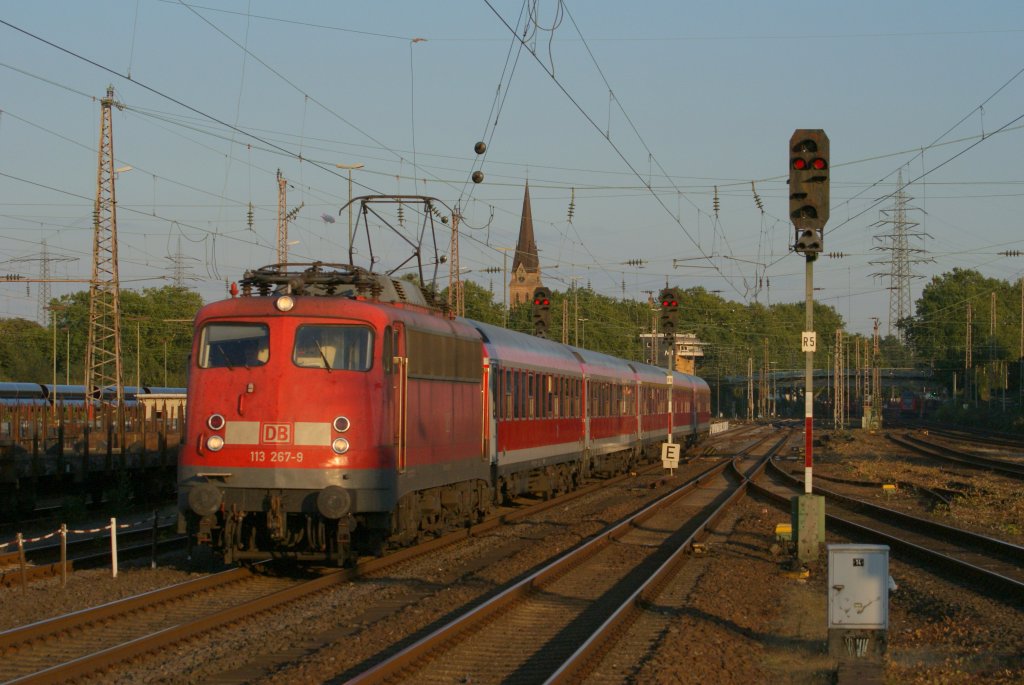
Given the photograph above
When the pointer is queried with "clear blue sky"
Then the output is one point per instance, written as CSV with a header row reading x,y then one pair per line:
x,y
651,107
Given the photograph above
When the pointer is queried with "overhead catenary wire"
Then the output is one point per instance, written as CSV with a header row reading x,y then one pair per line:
x,y
652,181
618,151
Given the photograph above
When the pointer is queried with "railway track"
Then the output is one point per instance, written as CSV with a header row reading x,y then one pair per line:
x,y
82,643
934,496
37,653
551,623
984,437
90,551
935,450
995,566
136,631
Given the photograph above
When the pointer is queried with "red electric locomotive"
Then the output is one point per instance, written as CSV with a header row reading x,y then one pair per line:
x,y
332,410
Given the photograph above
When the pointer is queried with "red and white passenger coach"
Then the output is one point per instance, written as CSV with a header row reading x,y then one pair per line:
x,y
333,410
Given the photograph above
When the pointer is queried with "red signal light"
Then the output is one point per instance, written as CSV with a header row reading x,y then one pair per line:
x,y
818,163
800,163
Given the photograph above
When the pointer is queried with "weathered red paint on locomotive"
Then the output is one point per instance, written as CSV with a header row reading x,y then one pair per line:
x,y
446,417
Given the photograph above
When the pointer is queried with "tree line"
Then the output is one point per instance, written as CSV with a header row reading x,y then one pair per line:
x,y
156,338
156,331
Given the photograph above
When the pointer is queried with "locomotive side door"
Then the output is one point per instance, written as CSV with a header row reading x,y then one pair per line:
x,y
399,367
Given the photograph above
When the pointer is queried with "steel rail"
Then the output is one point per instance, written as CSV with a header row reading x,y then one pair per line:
x,y
966,434
461,625
931,449
936,496
991,581
576,667
44,561
49,629
990,544
87,664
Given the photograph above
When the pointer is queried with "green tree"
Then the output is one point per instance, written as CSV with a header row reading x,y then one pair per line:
x,y
25,351
480,304
938,331
156,334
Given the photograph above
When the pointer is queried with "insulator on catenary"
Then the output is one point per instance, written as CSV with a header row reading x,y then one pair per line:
x,y
757,198
716,202
572,204
249,216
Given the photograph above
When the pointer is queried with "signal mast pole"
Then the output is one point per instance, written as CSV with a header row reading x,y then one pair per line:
x,y
808,210
809,372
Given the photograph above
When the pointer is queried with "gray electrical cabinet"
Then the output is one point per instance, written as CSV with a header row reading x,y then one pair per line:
x,y
858,598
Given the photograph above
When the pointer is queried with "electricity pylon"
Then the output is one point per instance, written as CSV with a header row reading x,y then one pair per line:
x,y
103,351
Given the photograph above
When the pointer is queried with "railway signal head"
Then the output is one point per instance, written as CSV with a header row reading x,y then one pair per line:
x,y
541,309
808,188
669,299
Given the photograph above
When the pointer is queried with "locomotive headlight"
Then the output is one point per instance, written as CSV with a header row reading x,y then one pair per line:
x,y
342,424
214,443
340,445
215,422
285,303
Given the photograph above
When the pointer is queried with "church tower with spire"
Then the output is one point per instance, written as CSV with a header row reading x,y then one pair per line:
x,y
526,265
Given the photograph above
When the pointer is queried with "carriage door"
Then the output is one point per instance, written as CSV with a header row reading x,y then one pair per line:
x,y
488,394
398,368
585,410
693,412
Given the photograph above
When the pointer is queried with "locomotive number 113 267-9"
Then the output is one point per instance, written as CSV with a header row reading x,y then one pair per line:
x,y
259,456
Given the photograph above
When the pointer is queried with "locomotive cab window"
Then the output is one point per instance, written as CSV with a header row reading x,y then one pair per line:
x,y
333,347
229,345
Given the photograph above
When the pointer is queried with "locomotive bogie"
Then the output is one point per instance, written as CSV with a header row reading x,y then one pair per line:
x,y
435,511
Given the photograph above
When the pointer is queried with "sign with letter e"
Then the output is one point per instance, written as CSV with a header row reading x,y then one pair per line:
x,y
670,455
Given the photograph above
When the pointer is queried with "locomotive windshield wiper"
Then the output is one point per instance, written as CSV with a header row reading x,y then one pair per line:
x,y
224,356
323,356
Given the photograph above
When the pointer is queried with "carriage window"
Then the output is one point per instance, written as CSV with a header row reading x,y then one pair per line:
x,y
230,345
507,399
346,348
531,394
517,394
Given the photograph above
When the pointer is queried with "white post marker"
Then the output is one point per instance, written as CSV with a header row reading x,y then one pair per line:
x,y
113,547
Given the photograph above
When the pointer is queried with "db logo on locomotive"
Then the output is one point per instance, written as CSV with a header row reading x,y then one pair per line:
x,y
277,433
